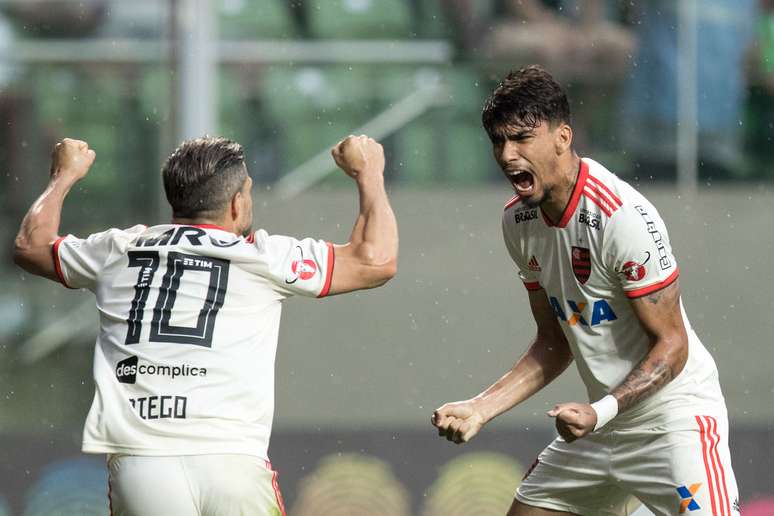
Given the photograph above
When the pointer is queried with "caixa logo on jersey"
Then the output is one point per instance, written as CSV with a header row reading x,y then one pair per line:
x,y
128,369
573,312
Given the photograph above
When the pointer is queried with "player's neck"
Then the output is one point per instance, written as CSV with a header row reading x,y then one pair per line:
x,y
205,221
555,205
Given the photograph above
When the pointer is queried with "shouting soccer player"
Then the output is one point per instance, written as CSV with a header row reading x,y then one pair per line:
x,y
189,318
603,288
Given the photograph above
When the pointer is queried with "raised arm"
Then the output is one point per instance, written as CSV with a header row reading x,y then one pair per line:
x,y
39,229
370,259
547,357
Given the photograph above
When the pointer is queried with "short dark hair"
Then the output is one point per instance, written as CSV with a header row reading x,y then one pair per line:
x,y
526,97
202,175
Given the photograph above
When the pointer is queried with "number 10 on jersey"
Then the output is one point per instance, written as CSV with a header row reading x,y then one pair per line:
x,y
161,330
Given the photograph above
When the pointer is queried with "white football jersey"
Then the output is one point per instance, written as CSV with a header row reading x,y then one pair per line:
x,y
189,318
609,247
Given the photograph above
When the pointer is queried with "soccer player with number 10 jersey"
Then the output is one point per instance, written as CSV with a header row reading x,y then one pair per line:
x,y
189,318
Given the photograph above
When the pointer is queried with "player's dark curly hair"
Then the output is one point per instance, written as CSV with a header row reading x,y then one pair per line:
x,y
202,176
526,97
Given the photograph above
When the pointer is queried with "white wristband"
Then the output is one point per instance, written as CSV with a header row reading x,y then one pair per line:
x,y
606,409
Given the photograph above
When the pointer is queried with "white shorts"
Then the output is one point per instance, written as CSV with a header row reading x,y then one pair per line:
x,y
193,485
680,468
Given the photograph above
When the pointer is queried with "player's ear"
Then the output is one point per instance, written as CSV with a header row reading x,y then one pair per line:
x,y
563,138
240,206
236,206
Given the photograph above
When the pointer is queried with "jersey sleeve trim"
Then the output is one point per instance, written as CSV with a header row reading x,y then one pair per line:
x,y
644,291
58,262
532,285
329,271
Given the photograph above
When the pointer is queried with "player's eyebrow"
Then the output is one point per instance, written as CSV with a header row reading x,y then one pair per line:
x,y
512,133
519,133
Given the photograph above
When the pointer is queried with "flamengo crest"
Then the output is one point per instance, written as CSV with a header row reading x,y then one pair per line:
x,y
581,263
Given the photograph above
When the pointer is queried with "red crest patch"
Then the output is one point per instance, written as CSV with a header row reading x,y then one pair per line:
x,y
304,269
633,271
299,267
581,263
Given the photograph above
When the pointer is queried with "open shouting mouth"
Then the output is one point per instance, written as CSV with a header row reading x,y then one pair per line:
x,y
523,182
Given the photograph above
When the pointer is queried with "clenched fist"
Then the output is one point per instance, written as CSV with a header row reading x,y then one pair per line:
x,y
459,422
359,156
71,159
574,420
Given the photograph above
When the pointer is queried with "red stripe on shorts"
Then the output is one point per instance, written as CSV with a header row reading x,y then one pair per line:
x,y
705,456
531,469
725,507
712,444
275,486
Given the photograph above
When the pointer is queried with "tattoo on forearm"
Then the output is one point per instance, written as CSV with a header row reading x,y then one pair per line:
x,y
644,380
655,297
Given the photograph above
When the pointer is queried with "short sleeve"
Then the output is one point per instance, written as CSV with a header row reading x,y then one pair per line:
x,y
528,272
79,261
302,267
639,252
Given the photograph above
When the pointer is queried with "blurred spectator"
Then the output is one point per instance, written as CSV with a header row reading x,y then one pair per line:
x,y
10,188
649,121
54,18
465,26
759,133
584,43
298,11
762,62
574,38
